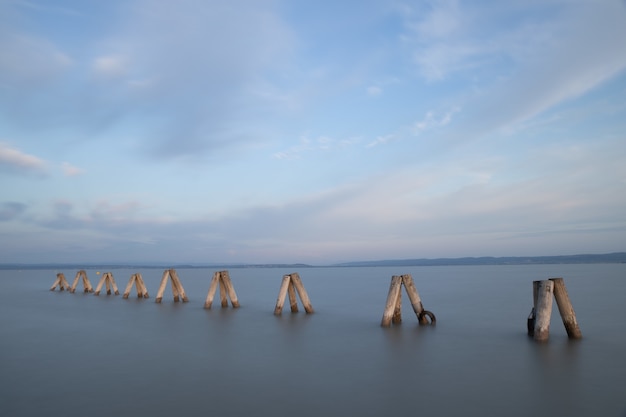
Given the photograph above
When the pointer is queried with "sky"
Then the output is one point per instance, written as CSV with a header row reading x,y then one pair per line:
x,y
287,131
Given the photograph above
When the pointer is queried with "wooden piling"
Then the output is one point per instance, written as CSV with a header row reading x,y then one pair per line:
x,y
543,309
392,300
230,290
304,297
81,275
61,282
140,286
292,284
222,280
393,306
109,282
177,287
565,309
282,292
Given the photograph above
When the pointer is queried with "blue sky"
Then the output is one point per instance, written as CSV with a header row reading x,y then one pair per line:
x,y
296,131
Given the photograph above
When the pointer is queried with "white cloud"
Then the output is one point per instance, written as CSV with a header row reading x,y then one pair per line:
x,y
110,66
15,160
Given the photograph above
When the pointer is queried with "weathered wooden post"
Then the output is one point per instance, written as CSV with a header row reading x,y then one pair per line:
x,y
177,286
142,291
61,282
86,284
393,306
107,279
221,279
291,284
539,318
565,309
543,309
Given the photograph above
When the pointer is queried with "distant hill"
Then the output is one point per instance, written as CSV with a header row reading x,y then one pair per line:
x,y
618,257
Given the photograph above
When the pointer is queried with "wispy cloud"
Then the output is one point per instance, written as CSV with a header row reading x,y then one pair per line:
x,y
16,161
70,170
318,144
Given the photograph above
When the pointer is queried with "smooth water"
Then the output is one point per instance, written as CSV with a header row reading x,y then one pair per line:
x,y
66,355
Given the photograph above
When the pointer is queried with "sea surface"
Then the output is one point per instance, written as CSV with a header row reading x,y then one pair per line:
x,y
78,354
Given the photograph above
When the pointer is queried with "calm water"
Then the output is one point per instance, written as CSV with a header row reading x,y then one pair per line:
x,y
77,354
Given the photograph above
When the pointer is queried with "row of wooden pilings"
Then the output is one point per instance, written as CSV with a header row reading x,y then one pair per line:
x,y
538,322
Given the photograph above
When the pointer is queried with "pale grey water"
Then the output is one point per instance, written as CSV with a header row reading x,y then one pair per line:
x,y
77,354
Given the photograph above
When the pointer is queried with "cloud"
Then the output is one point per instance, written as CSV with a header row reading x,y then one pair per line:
x,y
319,144
16,161
183,74
70,170
110,66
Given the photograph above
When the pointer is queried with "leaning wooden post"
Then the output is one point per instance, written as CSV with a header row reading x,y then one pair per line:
x,y
293,301
281,294
212,289
304,297
100,284
129,286
159,296
543,310
565,309
179,285
392,300
416,301
142,290
230,290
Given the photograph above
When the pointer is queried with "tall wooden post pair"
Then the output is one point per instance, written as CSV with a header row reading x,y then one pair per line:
x,y
539,319
107,279
142,291
177,288
393,307
290,285
222,279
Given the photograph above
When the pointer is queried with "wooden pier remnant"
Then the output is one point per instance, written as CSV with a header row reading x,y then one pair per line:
x,y
107,279
291,284
393,307
86,284
566,309
221,279
61,282
539,319
142,291
177,288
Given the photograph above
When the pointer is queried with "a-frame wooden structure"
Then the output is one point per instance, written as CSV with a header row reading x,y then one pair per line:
x,y
86,284
142,291
107,279
292,283
222,279
393,308
177,288
61,282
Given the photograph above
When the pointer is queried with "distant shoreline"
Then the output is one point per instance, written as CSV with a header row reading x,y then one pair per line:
x,y
616,257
